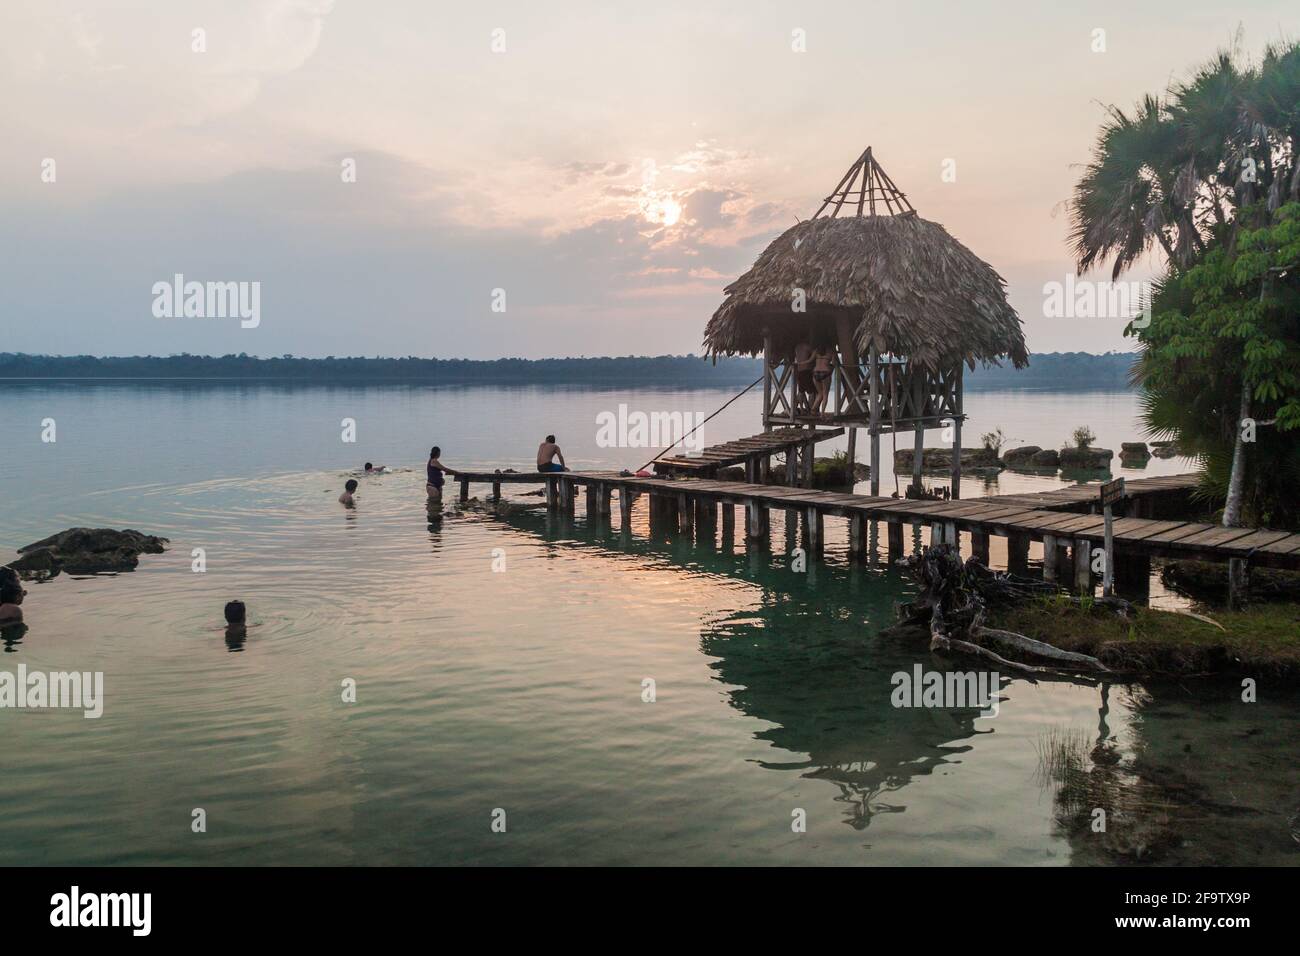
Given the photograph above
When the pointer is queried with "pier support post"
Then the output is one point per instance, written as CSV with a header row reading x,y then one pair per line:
x,y
685,514
809,456
950,533
792,466
1017,552
1050,554
552,499
593,506
1082,565
755,513
918,456
814,529
1132,575
464,492
857,536
875,464
1238,583
625,501
567,493
895,535
979,547
728,523
496,491
603,494
956,458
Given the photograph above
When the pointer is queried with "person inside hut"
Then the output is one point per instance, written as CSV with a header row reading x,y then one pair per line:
x,y
805,386
434,474
547,452
822,365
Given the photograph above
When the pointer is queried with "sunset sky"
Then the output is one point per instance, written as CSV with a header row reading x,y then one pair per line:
x,y
611,169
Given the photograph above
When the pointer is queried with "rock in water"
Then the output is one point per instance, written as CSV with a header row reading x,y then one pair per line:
x,y
1019,457
86,551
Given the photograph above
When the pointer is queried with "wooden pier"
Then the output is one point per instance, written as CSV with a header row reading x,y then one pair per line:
x,y
1068,537
798,445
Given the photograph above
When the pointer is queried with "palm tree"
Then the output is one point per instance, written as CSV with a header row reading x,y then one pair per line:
x,y
1178,172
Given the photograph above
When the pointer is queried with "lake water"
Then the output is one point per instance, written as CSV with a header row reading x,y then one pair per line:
x,y
520,689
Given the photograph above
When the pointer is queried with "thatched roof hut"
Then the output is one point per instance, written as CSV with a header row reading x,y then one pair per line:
x,y
904,285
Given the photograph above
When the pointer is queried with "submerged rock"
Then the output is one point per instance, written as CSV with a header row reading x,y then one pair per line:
x,y
1089,458
1020,456
1045,458
86,551
1134,449
941,458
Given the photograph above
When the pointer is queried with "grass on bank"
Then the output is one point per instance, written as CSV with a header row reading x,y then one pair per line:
x,y
1264,637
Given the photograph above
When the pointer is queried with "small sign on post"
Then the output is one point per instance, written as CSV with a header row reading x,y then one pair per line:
x,y
1111,492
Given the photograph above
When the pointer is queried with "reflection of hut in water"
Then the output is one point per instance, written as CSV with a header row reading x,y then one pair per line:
x,y
839,716
900,304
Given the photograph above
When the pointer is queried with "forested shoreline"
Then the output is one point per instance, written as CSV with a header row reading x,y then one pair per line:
x,y
1060,370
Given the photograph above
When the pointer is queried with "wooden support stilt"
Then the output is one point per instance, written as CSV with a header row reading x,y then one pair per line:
x,y
918,455
496,491
552,498
1050,554
956,458
950,533
1082,566
895,535
625,501
936,534
754,518
593,506
464,491
728,523
1238,583
603,495
567,493
792,467
853,456
685,514
1017,552
857,536
979,547
809,456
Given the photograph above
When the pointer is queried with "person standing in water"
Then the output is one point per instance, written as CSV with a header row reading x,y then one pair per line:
x,y
349,490
547,452
434,476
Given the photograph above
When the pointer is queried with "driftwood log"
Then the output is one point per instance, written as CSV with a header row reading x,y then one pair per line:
x,y
952,606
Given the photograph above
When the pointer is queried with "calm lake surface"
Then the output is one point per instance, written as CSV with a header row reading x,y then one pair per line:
x,y
521,689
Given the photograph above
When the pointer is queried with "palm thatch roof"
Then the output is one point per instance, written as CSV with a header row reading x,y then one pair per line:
x,y
905,284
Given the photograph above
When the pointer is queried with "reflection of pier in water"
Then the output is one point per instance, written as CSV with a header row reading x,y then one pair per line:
x,y
805,658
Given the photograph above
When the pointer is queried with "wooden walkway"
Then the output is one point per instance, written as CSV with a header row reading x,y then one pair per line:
x,y
754,452
688,502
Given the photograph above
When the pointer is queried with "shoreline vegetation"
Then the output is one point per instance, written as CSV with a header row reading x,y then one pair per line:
x,y
1068,371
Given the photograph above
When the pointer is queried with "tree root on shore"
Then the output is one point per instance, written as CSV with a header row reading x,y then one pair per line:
x,y
953,604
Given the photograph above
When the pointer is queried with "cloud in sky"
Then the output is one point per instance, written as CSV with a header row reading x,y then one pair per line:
x,y
612,170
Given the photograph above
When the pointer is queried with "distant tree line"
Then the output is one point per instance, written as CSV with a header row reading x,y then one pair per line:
x,y
1069,370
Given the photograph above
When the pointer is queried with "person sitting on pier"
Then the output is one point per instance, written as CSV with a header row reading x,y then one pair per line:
x,y
547,452
804,385
346,499
435,471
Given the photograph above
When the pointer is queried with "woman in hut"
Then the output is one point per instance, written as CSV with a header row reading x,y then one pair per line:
x,y
822,377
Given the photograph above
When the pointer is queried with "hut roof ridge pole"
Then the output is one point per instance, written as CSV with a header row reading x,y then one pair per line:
x,y
876,185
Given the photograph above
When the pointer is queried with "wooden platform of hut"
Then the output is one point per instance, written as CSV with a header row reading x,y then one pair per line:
x,y
1068,538
755,453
